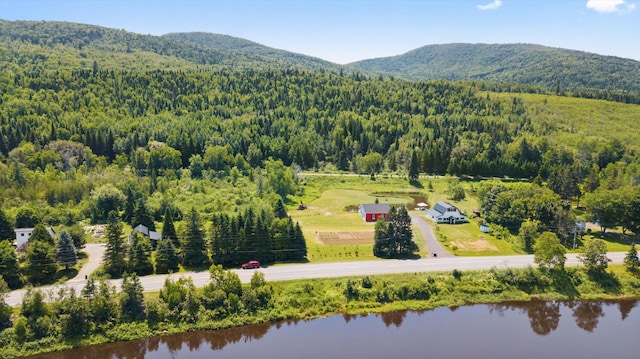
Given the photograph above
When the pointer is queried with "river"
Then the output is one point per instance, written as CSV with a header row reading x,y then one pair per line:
x,y
536,329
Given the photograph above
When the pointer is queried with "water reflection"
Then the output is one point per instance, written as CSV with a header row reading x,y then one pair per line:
x,y
544,316
441,330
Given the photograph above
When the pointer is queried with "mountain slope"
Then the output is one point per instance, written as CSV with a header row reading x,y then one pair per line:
x,y
515,63
230,43
65,44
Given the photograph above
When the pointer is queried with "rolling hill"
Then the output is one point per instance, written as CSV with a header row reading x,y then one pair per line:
x,y
230,43
513,63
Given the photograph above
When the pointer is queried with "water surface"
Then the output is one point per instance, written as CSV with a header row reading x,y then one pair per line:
x,y
534,329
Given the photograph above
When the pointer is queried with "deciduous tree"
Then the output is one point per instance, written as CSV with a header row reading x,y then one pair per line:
x,y
594,256
549,252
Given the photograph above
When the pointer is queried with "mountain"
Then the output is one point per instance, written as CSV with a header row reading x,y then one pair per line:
x,y
64,44
512,63
230,43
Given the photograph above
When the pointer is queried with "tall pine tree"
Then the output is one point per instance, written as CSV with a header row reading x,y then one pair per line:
x,y
115,251
193,249
167,259
139,254
65,251
6,227
169,230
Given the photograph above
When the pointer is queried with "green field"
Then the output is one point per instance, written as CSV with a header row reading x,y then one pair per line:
x,y
332,201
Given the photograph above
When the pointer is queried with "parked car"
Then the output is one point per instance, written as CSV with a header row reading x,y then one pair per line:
x,y
251,265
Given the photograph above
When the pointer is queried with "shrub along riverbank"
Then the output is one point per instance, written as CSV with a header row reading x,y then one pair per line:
x,y
98,315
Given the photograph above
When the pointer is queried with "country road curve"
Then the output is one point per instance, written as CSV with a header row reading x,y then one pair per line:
x,y
335,269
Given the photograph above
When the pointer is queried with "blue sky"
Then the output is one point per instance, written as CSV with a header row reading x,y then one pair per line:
x,y
343,31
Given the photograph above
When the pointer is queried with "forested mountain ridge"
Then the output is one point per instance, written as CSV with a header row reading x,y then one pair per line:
x,y
528,64
74,110
70,44
230,43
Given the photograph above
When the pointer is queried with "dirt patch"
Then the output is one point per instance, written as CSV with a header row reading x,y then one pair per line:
x,y
475,246
345,238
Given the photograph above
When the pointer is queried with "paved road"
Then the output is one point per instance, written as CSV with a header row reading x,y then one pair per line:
x,y
339,269
95,252
432,243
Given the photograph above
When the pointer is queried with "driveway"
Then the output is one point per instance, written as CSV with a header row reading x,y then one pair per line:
x,y
432,243
95,252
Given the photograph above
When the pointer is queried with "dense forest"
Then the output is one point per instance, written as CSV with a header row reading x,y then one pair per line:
x,y
94,120
535,65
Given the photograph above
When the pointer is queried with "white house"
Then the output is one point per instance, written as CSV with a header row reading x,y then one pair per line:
x,y
443,212
23,235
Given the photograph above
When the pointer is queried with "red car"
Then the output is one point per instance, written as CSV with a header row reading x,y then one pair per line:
x,y
251,265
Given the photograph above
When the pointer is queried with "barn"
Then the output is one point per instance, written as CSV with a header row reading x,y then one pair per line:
x,y
371,212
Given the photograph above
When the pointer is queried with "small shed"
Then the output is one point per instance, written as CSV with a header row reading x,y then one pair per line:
x,y
484,228
371,212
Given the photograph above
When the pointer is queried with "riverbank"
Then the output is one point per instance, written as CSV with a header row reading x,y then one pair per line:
x,y
203,309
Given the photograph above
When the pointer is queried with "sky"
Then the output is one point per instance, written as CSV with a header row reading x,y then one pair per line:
x,y
344,31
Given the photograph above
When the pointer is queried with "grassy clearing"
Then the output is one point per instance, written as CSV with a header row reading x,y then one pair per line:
x,y
332,203
580,121
332,207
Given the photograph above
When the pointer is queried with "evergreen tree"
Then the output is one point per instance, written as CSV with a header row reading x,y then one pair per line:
x,y
279,210
403,234
65,251
115,251
393,236
169,230
142,216
6,228
9,268
138,255
41,262
193,250
414,167
263,242
167,259
299,244
132,307
5,309
382,246
631,260
104,309
129,204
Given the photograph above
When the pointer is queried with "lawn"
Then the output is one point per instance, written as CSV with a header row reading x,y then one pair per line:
x,y
332,206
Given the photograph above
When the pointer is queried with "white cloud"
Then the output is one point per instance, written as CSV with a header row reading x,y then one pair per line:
x,y
494,5
609,6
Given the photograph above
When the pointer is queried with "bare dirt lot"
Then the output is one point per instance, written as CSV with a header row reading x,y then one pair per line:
x,y
479,245
344,238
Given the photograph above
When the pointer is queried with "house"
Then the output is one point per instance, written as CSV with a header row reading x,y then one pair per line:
x,y
443,212
145,231
23,235
371,212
